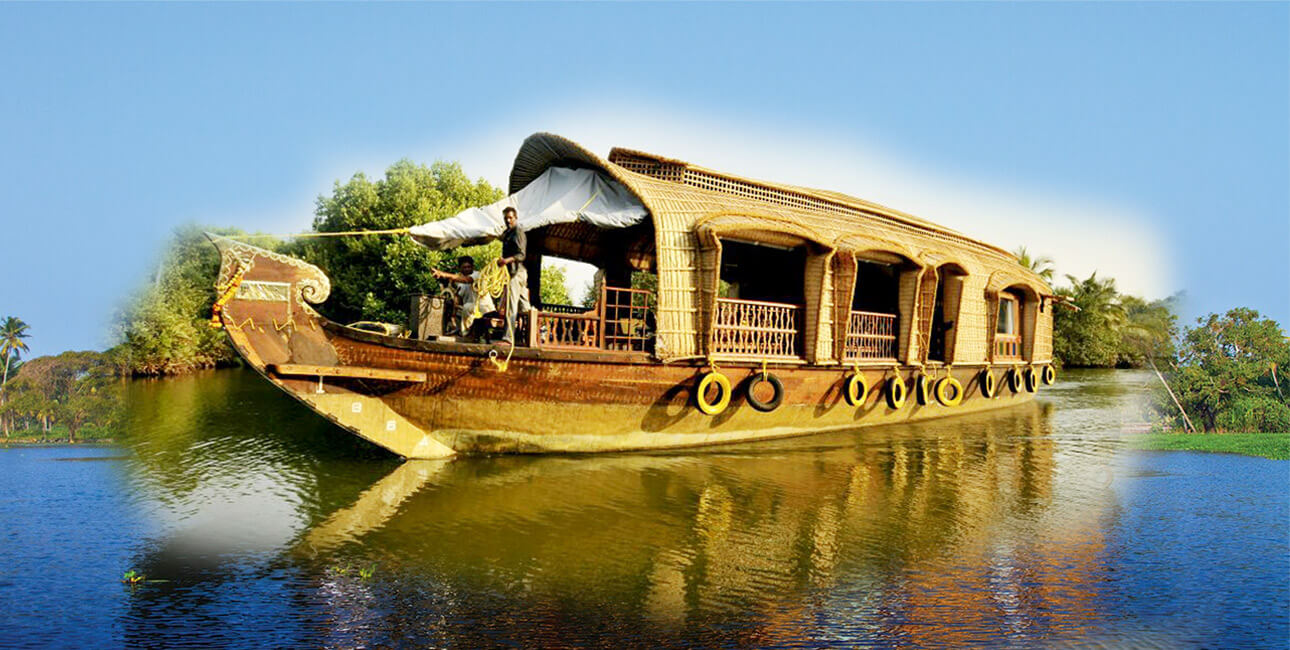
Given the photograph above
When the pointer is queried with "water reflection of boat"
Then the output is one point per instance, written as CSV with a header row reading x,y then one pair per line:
x,y
902,525
804,310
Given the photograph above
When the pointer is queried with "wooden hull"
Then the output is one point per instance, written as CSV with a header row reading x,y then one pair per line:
x,y
451,398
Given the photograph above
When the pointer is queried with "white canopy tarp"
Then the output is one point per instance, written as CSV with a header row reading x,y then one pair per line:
x,y
559,195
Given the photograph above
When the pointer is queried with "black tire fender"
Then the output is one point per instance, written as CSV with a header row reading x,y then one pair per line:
x,y
775,400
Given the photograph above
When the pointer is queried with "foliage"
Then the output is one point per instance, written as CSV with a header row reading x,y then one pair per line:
x,y
72,389
1042,266
12,333
1267,445
1148,330
555,291
373,276
1227,374
1110,329
164,329
643,280
1088,336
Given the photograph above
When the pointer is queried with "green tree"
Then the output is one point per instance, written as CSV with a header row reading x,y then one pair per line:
x,y
555,291
1042,266
164,329
90,401
373,276
1090,336
1226,373
73,388
1148,330
12,333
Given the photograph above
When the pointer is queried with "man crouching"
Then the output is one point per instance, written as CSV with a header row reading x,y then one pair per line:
x,y
468,298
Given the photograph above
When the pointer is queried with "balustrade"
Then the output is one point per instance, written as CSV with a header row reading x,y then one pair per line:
x,y
622,319
1007,346
756,330
870,335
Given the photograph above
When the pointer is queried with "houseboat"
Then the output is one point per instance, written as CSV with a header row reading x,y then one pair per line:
x,y
729,310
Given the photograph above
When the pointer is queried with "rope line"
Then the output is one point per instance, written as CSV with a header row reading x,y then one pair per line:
x,y
342,233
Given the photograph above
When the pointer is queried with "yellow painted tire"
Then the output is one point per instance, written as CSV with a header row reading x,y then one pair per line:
x,y
949,392
897,392
1050,375
1014,379
855,390
700,393
923,389
989,386
1032,379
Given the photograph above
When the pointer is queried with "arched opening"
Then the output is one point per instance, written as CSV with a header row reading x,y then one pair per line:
x,y
617,312
1014,323
876,304
763,277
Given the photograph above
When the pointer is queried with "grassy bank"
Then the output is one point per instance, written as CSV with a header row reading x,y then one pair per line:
x,y
58,435
1266,445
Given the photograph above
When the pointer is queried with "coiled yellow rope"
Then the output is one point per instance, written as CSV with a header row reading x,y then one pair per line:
x,y
492,282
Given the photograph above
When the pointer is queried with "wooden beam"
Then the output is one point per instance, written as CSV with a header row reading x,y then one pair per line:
x,y
353,372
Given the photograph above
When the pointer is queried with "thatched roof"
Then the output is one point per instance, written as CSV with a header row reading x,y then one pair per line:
x,y
684,199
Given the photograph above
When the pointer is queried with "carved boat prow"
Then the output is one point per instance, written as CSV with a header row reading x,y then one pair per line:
x,y
263,302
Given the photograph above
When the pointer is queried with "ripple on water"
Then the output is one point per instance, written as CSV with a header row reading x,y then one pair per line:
x,y
1028,527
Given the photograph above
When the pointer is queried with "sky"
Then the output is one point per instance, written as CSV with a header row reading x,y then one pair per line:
x,y
1146,142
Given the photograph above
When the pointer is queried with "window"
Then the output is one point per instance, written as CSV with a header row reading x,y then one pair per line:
x,y
1007,315
1007,337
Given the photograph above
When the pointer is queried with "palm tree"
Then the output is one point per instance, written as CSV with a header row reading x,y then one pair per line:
x,y
1098,298
12,333
1042,266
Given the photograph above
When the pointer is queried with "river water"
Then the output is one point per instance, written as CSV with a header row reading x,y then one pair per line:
x,y
257,525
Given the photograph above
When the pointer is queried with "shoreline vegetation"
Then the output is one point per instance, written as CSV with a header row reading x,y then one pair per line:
x,y
1221,375
1273,446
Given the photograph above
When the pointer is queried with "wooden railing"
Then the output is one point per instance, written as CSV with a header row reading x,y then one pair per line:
x,y
553,330
870,335
1007,346
626,318
756,330
565,309
621,320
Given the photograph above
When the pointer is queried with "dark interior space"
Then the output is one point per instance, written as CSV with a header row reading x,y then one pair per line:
x,y
877,288
763,272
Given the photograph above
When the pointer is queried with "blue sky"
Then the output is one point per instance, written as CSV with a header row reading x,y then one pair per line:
x,y
1150,142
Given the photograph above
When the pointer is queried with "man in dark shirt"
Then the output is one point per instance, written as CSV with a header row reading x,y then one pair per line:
x,y
517,292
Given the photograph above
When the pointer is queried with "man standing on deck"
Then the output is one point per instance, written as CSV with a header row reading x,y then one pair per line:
x,y
517,292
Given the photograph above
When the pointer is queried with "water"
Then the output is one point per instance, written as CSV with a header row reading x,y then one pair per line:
x,y
255,523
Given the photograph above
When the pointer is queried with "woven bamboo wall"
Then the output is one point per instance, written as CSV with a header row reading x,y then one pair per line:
x,y
974,322
926,309
1044,334
680,196
844,281
819,301
709,277
952,302
907,347
1029,312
